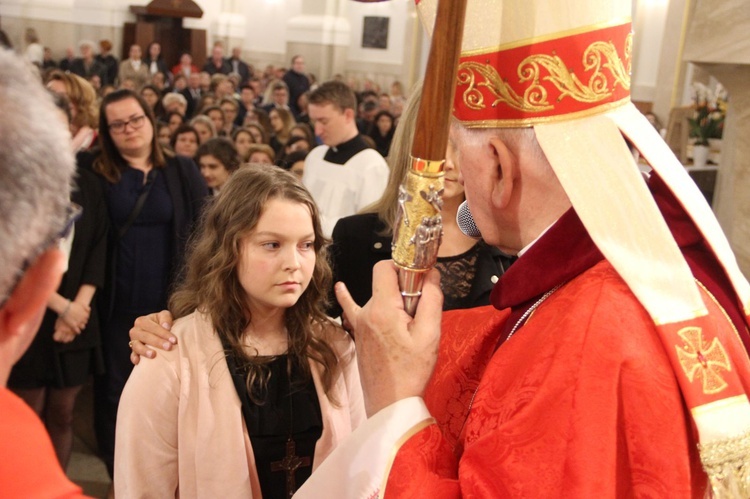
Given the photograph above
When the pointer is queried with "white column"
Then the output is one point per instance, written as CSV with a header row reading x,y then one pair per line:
x,y
321,34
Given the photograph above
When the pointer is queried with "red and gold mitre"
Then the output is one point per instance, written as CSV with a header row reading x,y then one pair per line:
x,y
563,68
524,63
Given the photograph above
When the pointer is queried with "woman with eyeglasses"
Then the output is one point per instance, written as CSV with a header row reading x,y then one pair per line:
x,y
153,203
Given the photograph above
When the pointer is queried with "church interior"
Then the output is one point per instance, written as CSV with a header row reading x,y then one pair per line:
x,y
685,52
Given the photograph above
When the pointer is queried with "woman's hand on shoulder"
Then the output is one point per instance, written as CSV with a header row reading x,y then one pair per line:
x,y
151,330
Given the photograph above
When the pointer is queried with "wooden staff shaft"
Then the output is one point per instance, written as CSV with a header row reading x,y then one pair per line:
x,y
419,228
433,118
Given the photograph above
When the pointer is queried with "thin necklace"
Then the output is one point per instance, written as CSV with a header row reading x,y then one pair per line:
x,y
291,461
531,310
518,324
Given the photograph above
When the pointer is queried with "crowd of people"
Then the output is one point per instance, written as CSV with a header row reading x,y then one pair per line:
x,y
227,89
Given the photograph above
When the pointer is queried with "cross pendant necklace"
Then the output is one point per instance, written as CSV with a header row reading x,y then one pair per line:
x,y
291,462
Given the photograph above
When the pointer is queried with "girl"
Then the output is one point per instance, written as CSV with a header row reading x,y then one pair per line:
x,y
164,135
216,114
282,122
260,136
259,372
261,154
205,128
184,141
243,138
217,159
382,132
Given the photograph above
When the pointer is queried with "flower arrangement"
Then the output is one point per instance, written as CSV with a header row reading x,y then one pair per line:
x,y
710,108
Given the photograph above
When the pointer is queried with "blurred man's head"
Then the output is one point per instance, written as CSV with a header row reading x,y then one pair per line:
x,y
36,167
298,64
217,53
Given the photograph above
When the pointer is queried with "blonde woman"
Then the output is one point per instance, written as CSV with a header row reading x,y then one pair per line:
x,y
205,128
83,106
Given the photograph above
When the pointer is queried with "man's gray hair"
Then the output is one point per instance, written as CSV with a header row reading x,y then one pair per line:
x,y
36,167
520,140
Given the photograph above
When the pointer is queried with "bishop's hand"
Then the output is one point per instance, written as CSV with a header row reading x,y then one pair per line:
x,y
395,352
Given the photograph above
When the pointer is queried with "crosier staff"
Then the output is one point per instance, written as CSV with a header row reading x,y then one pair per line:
x,y
419,228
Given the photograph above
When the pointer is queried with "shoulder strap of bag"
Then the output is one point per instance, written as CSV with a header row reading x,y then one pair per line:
x,y
151,177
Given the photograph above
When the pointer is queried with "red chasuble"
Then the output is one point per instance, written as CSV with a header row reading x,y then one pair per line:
x,y
28,465
581,401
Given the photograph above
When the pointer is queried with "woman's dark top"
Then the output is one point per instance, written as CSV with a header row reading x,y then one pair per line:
x,y
382,142
151,254
144,254
271,423
276,145
357,246
46,363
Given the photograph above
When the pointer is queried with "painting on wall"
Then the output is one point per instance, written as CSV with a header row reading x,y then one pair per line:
x,y
375,32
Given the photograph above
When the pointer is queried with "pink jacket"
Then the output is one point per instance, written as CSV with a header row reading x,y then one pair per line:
x,y
180,431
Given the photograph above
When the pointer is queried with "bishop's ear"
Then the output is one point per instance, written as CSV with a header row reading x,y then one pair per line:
x,y
505,174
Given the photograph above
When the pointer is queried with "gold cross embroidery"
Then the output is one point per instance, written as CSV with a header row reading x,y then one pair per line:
x,y
701,361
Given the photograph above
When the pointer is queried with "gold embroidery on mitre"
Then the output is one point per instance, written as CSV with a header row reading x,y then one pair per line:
x,y
599,56
474,99
701,361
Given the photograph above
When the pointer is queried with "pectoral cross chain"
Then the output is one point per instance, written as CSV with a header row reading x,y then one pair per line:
x,y
291,463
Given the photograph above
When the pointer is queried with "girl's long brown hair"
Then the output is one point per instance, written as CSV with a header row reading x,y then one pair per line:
x,y
211,284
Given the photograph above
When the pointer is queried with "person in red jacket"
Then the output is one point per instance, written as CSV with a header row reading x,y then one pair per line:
x,y
37,166
186,66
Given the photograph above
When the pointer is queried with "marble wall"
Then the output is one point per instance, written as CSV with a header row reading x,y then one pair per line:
x,y
718,44
268,31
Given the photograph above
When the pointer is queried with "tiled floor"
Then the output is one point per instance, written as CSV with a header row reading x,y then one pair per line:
x,y
85,468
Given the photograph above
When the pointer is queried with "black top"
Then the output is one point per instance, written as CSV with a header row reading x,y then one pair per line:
x,y
144,254
79,67
345,151
187,192
382,142
112,65
241,69
290,410
211,68
465,279
357,247
161,67
86,265
298,84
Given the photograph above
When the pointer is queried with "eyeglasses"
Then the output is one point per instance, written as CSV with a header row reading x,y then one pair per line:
x,y
135,123
72,214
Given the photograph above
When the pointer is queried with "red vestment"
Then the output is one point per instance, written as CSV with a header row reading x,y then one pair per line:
x,y
581,402
28,465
